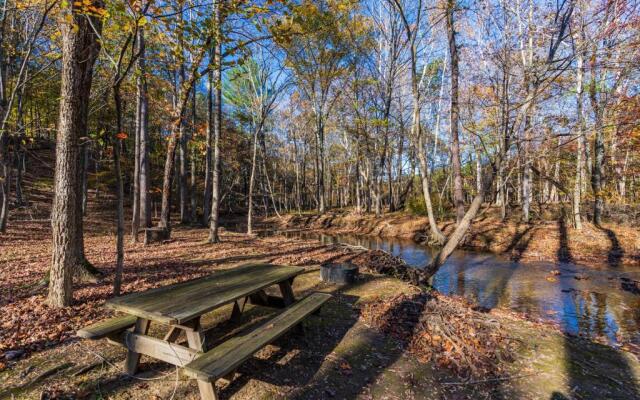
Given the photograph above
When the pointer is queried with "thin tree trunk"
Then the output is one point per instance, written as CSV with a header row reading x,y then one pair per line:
x,y
436,234
320,164
479,185
85,180
458,195
135,206
598,150
206,208
117,281
577,187
145,146
215,198
252,184
183,179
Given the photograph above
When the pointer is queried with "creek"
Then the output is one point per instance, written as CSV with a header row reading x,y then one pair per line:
x,y
582,300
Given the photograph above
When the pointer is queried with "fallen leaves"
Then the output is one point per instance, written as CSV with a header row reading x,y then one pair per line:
x,y
446,331
29,325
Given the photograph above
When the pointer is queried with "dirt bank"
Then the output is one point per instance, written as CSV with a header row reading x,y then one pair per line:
x,y
552,241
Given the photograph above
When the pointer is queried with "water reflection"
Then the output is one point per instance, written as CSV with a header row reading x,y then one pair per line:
x,y
582,300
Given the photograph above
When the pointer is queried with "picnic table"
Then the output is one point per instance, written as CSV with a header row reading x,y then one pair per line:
x,y
179,308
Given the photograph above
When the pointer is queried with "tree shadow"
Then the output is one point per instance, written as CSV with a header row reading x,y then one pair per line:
x,y
519,244
593,370
294,358
616,252
563,253
363,359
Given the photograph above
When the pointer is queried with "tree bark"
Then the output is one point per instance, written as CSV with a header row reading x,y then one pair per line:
x,y
117,170
135,206
145,146
252,184
458,195
80,47
206,207
183,177
217,117
598,148
577,187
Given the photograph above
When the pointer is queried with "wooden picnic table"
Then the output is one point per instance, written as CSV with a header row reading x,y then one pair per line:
x,y
182,302
180,307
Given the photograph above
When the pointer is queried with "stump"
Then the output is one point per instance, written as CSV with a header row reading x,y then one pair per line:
x,y
341,273
156,234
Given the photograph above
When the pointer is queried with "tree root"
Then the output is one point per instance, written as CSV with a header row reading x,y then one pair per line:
x,y
85,272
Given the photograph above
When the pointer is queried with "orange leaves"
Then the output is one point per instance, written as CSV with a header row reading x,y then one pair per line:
x,y
121,135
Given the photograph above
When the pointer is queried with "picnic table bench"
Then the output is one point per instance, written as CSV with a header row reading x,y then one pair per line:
x,y
179,307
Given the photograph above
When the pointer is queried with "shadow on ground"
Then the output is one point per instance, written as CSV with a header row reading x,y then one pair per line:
x,y
609,375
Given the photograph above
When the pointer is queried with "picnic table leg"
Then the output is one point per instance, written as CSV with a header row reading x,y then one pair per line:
x,y
194,339
287,292
133,358
237,310
289,298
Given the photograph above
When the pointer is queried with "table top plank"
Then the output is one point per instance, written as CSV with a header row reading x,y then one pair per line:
x,y
179,303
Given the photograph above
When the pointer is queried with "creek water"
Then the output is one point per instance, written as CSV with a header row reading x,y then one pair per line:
x,y
585,301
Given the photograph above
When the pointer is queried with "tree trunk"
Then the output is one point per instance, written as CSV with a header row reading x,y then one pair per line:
x,y
80,48
252,184
458,195
4,191
165,208
479,185
5,186
206,207
192,186
598,148
436,235
117,281
85,180
183,178
320,164
577,187
145,146
135,206
217,116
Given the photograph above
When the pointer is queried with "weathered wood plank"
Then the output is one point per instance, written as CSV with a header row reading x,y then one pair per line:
x,y
182,302
159,349
107,327
226,357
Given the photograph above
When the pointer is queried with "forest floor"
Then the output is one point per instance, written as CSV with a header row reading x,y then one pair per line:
x,y
372,341
380,338
541,240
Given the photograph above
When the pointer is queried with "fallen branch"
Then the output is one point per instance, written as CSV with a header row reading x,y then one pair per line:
x,y
499,379
86,368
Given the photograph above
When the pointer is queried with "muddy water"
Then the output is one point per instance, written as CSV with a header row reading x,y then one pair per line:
x,y
582,300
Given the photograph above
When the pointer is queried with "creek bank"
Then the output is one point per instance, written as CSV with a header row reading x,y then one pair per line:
x,y
549,241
